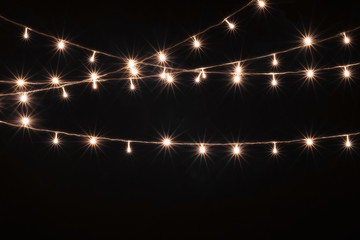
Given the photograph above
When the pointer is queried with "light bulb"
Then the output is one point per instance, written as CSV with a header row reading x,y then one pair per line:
x,y
236,150
238,69
20,82
274,82
162,57
166,142
55,80
26,34
132,86
92,58
231,25
24,98
61,44
93,141
25,121
310,73
347,73
275,150
346,39
237,79
261,3
348,143
131,63
202,149
65,94
197,43
307,41
309,142
128,149
55,139
275,62
170,78
134,71
163,74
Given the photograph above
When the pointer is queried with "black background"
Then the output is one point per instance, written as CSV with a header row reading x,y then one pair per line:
x,y
77,193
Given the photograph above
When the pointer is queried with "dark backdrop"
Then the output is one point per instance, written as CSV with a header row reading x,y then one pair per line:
x,y
75,193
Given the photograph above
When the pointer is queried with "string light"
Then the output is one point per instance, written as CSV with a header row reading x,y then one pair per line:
x,y
26,34
237,79
94,78
25,121
55,80
308,41
238,72
92,58
348,143
65,94
346,39
162,57
231,25
20,82
93,141
167,142
61,45
202,149
24,98
56,139
274,82
163,74
275,150
236,150
197,43
261,3
132,86
197,79
170,78
310,74
347,73
275,62
309,142
128,149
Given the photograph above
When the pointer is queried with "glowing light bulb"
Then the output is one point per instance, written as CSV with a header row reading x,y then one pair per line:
x,y
132,86
170,78
20,82
94,85
166,142
162,57
348,143
261,3
61,44
275,150
309,142
93,141
275,62
307,41
163,74
197,79
26,34
238,69
65,95
131,63
25,121
55,80
231,25
346,39
274,82
237,79
24,98
203,73
56,139
197,43
134,71
310,74
236,150
92,58
347,73
128,149
202,149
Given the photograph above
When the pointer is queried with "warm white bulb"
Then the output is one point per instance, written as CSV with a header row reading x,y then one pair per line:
x,y
55,80
307,41
310,73
162,57
93,141
56,140
238,69
61,45
26,35
236,150
346,39
134,71
167,142
274,82
25,121
24,98
275,62
348,143
20,82
65,95
237,79
202,149
170,79
347,73
131,63
132,86
92,58
261,3
309,142
128,149
163,75
197,43
197,79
